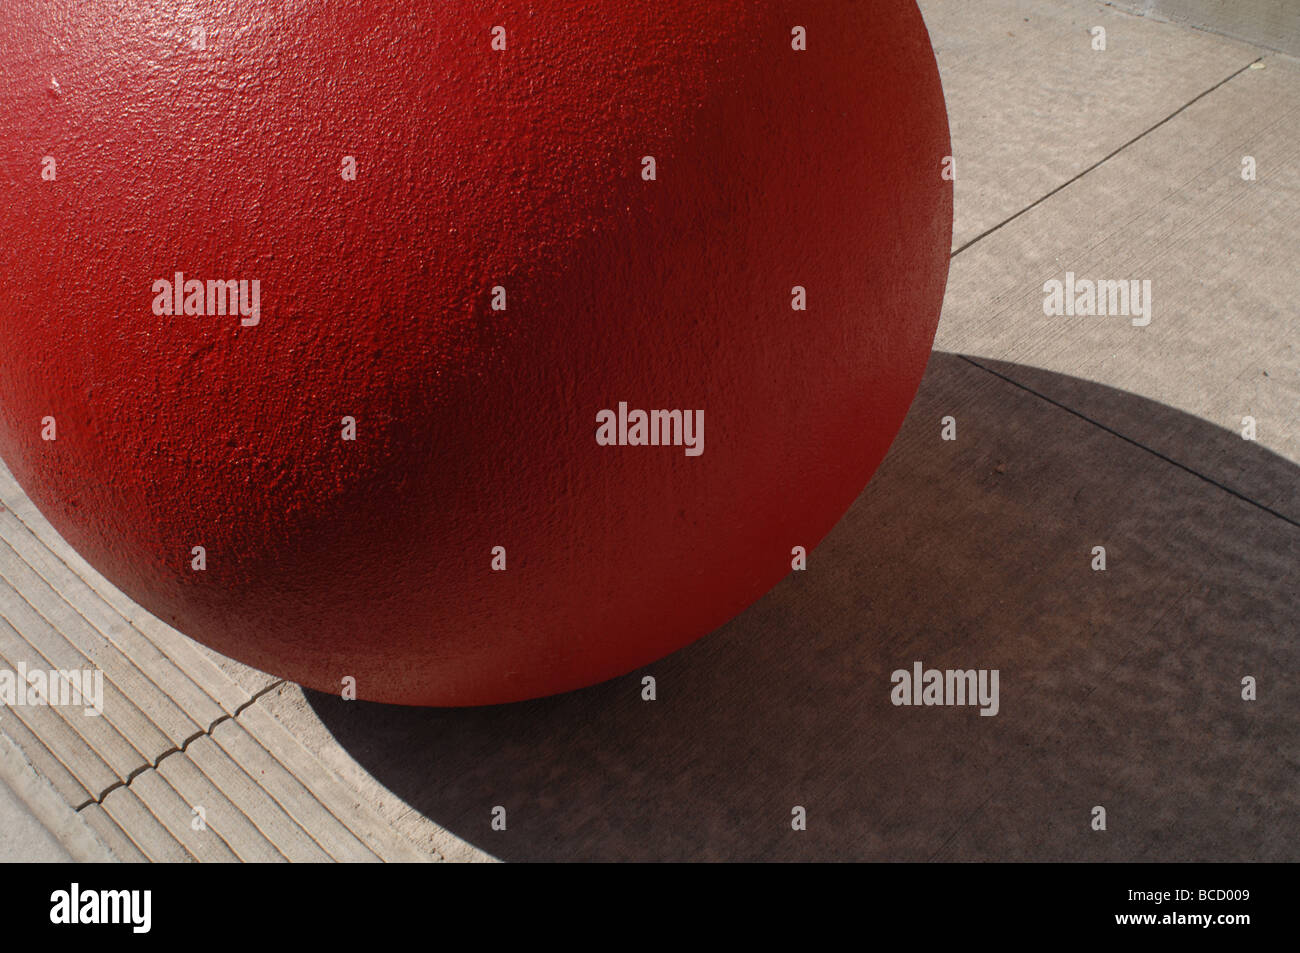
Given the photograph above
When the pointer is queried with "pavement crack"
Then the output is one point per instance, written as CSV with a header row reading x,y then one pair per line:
x,y
1106,158
182,748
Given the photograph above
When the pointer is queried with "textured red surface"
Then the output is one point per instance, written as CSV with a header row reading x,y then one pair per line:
x,y
476,168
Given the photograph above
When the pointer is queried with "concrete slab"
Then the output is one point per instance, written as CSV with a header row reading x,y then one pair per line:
x,y
1272,24
22,837
1220,254
1031,104
109,837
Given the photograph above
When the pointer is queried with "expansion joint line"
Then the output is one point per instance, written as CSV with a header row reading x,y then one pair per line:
x,y
1137,443
1064,185
1068,182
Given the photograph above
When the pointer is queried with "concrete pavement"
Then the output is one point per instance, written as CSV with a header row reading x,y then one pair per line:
x,y
25,838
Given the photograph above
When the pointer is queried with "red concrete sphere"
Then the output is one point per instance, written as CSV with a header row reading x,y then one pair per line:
x,y
469,229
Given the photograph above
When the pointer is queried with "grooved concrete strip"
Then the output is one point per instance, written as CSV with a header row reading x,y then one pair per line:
x,y
134,777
